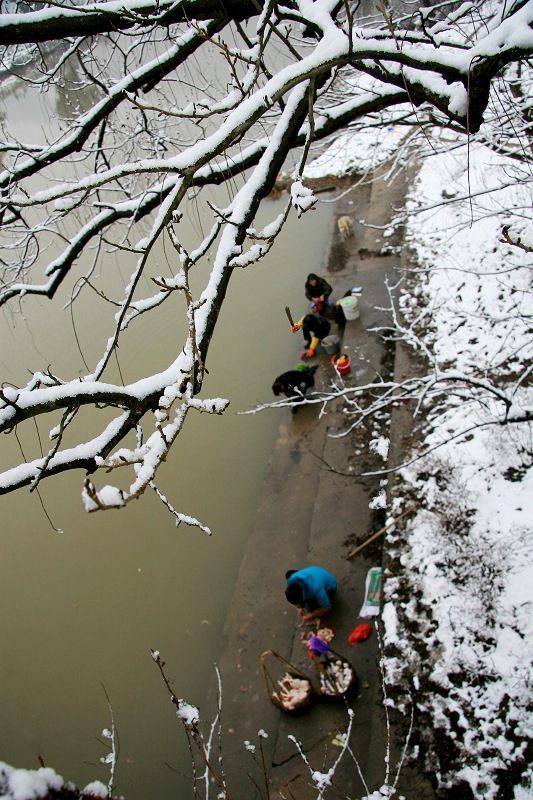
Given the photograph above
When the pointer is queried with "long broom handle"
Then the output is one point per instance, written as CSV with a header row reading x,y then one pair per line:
x,y
382,530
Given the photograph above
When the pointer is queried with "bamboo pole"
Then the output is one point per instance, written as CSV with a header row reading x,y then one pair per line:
x,y
382,530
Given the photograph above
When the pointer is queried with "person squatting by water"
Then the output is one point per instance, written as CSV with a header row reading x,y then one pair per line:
x,y
314,328
294,384
312,590
317,288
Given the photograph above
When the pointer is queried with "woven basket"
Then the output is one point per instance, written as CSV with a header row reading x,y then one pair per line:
x,y
326,683
280,665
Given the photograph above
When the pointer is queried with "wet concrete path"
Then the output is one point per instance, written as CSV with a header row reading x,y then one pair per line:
x,y
313,509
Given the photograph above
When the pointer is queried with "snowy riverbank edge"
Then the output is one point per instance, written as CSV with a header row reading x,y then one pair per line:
x,y
459,617
457,611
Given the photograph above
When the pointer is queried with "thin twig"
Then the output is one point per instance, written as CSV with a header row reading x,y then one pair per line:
x,y
332,469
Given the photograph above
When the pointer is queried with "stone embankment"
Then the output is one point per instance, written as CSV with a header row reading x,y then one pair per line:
x,y
314,509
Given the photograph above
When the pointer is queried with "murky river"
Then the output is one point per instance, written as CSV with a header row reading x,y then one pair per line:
x,y
80,610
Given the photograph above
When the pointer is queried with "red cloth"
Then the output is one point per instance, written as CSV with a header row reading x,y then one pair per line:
x,y
360,633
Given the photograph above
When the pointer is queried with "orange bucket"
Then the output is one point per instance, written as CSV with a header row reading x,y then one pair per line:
x,y
341,363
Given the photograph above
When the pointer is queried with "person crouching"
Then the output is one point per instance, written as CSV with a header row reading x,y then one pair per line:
x,y
312,590
294,384
314,328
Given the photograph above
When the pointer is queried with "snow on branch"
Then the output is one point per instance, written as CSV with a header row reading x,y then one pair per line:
x,y
191,101
89,19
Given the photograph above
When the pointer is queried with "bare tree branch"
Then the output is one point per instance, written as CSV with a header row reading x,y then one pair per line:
x,y
152,127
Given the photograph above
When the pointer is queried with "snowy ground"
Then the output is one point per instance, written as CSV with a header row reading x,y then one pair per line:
x,y
374,146
458,616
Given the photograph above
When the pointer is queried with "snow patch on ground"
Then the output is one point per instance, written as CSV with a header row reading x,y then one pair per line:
x,y
374,146
458,616
466,555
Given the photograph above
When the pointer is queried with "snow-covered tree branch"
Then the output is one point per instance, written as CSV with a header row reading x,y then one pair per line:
x,y
175,97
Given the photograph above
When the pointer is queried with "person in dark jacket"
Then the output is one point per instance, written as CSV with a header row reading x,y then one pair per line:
x,y
317,288
314,328
294,384
312,590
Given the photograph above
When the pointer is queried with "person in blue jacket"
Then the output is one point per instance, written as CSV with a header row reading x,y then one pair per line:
x,y
312,589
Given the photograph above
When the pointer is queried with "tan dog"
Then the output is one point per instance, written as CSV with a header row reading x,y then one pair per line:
x,y
345,226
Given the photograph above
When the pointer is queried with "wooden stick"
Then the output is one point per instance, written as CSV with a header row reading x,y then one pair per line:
x,y
289,315
382,530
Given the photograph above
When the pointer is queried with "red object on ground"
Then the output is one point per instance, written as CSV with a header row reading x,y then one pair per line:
x,y
360,633
341,364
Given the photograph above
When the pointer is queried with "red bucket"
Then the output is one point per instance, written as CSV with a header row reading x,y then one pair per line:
x,y
341,363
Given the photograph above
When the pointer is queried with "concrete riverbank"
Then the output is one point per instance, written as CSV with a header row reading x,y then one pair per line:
x,y
314,509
